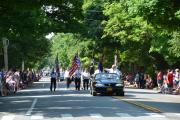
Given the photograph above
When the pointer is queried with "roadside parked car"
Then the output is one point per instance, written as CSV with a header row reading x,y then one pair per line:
x,y
106,83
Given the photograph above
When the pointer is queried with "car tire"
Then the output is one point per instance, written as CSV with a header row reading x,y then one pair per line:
x,y
94,93
120,93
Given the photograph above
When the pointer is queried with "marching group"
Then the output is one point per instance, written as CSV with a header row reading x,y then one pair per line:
x,y
14,80
81,76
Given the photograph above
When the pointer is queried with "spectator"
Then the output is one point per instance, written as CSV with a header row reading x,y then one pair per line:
x,y
177,81
141,80
170,80
136,79
149,82
160,80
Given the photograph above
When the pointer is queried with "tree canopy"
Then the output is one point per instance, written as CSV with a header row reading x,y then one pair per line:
x,y
142,33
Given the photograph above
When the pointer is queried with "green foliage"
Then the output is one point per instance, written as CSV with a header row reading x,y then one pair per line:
x,y
141,32
26,23
67,45
175,44
133,33
158,12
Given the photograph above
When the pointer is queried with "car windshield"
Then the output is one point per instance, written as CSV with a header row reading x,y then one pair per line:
x,y
107,76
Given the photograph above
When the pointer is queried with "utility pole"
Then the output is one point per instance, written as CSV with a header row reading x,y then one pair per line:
x,y
5,45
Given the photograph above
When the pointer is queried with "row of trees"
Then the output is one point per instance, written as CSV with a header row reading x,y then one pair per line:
x,y
140,32
26,23
143,33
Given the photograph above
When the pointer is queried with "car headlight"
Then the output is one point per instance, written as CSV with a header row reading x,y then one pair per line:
x,y
119,85
99,85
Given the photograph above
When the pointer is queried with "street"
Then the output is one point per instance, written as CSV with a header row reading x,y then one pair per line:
x,y
38,103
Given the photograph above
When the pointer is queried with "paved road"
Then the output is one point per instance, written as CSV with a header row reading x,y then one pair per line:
x,y
39,103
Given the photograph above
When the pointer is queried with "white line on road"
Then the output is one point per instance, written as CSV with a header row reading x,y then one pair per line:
x,y
123,115
28,113
8,117
154,115
178,114
37,117
67,116
96,115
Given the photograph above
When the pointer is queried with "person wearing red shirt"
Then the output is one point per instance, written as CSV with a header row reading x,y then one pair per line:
x,y
170,80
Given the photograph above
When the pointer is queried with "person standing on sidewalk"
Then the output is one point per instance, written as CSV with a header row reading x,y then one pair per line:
x,y
170,81
160,80
177,81
141,80
53,80
136,79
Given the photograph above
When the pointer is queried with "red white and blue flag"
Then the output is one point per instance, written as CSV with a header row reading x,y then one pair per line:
x,y
76,63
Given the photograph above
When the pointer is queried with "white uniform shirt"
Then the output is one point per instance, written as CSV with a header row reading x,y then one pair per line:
x,y
115,71
66,74
97,71
85,75
53,75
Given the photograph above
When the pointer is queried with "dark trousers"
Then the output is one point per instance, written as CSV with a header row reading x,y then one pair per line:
x,y
85,84
53,83
142,84
68,82
77,83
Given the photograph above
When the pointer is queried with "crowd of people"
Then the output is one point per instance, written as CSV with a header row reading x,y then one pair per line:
x,y
167,82
14,80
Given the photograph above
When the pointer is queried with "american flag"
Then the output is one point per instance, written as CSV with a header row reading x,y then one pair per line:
x,y
76,63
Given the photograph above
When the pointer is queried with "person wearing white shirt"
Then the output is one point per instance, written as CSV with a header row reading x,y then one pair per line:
x,y
97,71
67,78
53,80
85,77
114,70
77,79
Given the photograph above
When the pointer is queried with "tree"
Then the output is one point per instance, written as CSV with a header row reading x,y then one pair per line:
x,y
26,23
67,45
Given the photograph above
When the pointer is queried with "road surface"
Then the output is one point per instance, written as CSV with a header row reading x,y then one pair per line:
x,y
38,103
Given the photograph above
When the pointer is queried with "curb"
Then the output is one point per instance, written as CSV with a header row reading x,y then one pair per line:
x,y
141,105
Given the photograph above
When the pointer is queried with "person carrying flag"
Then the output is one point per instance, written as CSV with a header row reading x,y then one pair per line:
x,y
77,79
75,72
